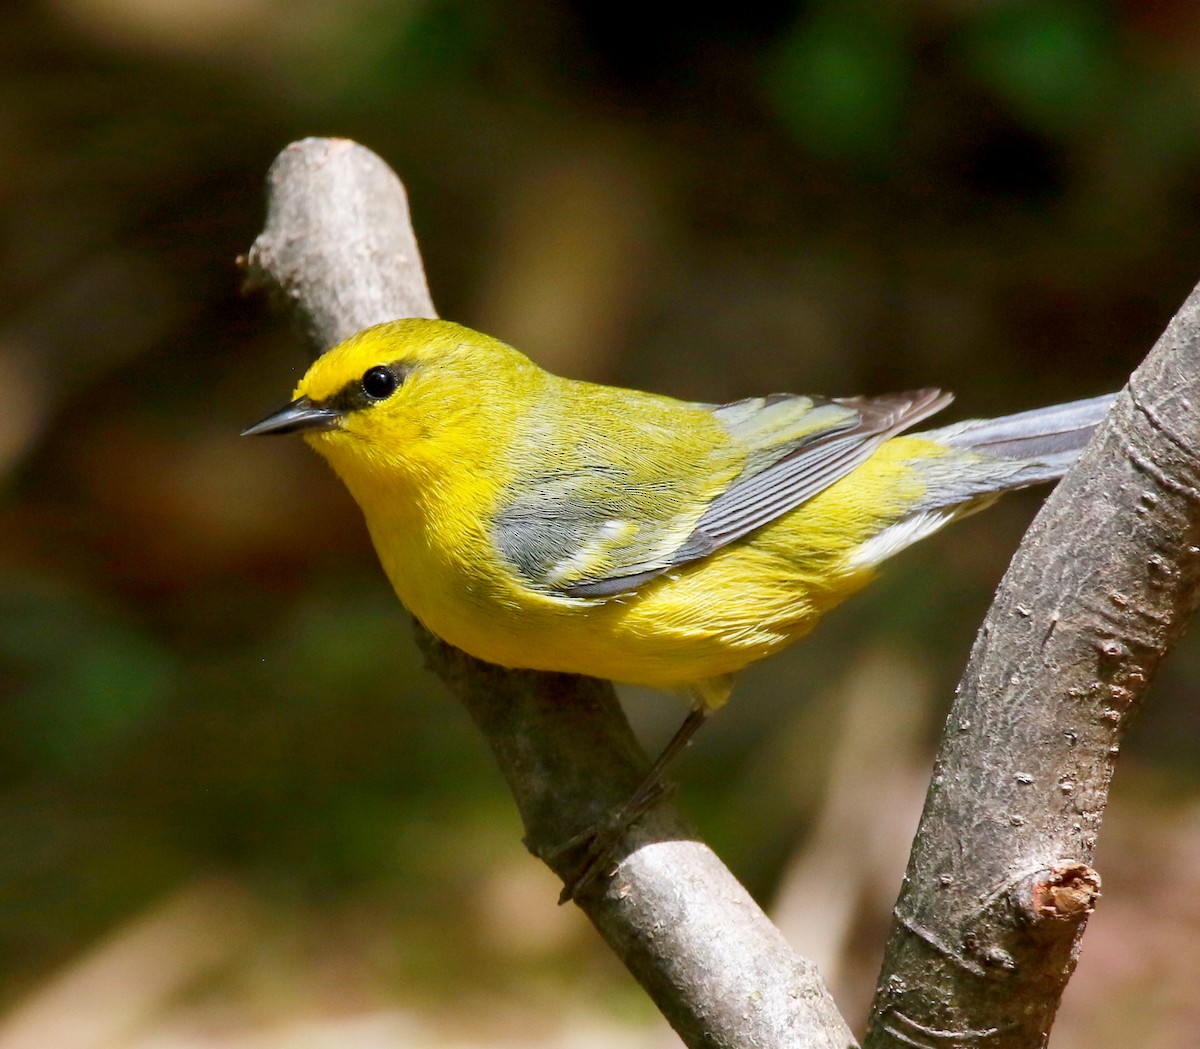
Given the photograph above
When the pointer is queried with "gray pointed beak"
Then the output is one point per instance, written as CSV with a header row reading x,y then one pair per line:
x,y
301,416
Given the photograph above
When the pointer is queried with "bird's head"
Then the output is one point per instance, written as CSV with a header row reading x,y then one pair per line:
x,y
403,393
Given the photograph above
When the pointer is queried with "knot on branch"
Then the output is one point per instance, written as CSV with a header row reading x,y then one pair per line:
x,y
1066,893
1014,931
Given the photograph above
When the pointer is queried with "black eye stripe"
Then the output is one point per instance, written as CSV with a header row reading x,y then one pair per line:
x,y
370,388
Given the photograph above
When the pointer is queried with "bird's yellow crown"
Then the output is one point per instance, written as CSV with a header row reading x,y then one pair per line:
x,y
413,342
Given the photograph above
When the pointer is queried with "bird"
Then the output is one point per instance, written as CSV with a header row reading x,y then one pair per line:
x,y
548,523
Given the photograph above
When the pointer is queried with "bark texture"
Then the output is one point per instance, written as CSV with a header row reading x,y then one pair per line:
x,y
1000,880
338,250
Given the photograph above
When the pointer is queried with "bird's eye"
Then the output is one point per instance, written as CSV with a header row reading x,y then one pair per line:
x,y
379,383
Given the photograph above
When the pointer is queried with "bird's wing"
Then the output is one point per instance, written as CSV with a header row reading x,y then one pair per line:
x,y
598,526
805,467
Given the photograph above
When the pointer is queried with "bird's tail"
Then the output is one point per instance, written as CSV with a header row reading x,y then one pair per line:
x,y
1045,441
987,457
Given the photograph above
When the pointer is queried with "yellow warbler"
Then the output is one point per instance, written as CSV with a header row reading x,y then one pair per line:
x,y
542,522
535,521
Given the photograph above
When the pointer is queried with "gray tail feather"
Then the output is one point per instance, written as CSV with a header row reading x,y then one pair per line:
x,y
1048,439
997,455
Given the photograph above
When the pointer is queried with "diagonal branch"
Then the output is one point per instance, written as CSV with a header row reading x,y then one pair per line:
x,y
1000,881
338,249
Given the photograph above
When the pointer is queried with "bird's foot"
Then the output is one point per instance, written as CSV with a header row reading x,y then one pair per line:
x,y
598,844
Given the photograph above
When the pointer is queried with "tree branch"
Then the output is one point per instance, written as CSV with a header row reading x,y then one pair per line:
x,y
1000,881
338,249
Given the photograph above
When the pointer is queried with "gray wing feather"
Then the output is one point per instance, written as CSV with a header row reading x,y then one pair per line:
x,y
806,470
771,486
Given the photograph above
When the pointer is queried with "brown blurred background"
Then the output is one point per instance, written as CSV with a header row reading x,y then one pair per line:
x,y
234,810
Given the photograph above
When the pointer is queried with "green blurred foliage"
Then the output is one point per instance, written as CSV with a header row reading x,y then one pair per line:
x,y
1054,64
203,671
841,80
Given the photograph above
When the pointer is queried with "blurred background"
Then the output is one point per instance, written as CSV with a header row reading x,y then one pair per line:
x,y
235,811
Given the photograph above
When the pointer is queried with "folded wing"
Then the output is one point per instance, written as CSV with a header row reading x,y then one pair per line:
x,y
599,526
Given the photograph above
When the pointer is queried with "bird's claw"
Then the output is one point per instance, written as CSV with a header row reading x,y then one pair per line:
x,y
599,841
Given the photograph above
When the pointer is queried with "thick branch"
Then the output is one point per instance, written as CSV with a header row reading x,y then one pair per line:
x,y
339,249
1000,880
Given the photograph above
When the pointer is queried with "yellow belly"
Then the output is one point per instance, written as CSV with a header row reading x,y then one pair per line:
x,y
708,620
705,620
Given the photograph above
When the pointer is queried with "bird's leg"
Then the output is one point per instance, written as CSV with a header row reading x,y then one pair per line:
x,y
601,839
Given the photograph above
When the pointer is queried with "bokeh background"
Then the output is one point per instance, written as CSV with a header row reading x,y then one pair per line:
x,y
235,811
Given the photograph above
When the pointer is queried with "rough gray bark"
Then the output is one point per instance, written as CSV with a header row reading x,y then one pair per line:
x,y
1000,881
338,249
